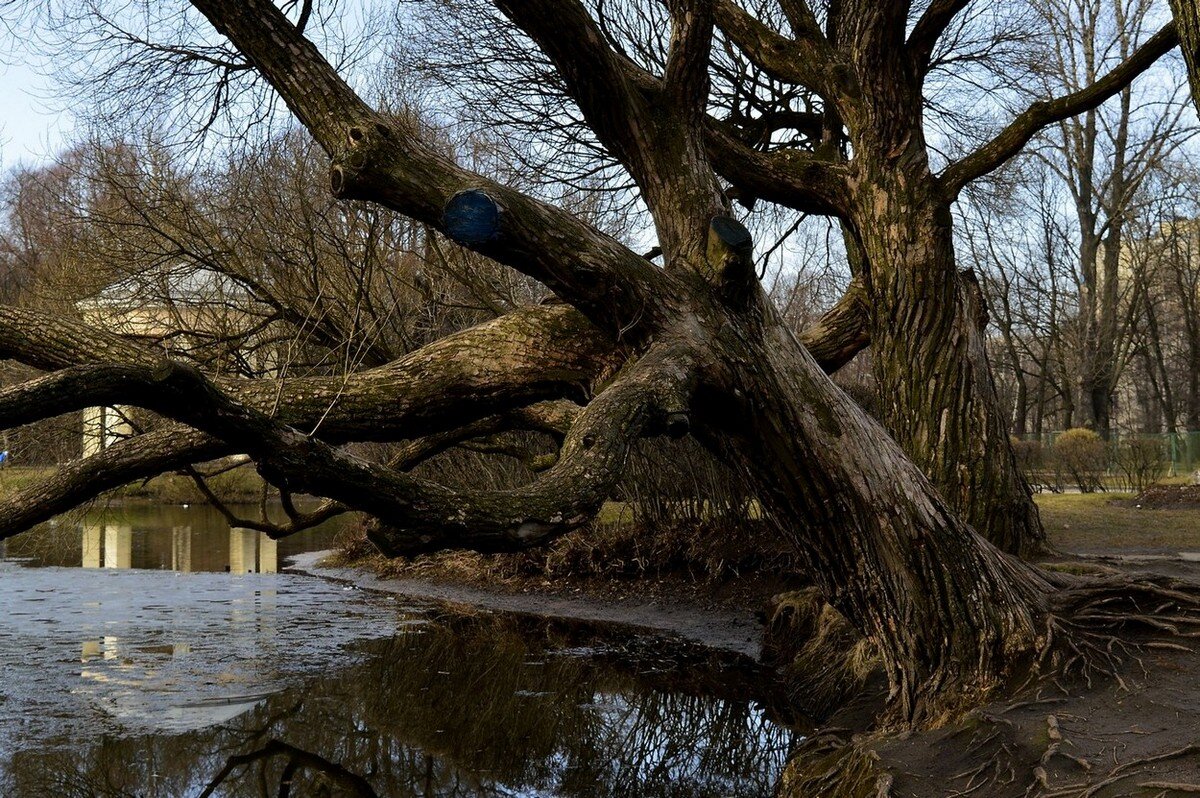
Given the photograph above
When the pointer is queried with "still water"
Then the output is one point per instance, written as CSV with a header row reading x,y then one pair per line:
x,y
134,665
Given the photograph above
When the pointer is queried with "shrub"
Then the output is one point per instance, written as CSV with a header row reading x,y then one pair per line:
x,y
1081,455
1141,460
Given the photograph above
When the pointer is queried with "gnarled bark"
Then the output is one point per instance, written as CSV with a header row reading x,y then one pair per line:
x,y
701,349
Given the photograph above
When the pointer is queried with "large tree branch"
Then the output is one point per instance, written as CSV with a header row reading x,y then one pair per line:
x,y
686,76
597,79
384,159
841,333
178,448
1187,18
802,19
930,27
648,397
807,60
1013,138
136,458
652,126
530,355
802,181
554,418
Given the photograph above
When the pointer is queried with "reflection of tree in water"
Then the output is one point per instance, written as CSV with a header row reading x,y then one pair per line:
x,y
468,707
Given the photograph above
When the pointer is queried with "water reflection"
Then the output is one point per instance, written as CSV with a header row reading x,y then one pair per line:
x,y
93,652
163,537
138,682
466,706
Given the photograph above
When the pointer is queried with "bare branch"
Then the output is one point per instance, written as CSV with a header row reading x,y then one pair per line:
x,y
596,77
1013,138
384,159
354,784
930,27
807,60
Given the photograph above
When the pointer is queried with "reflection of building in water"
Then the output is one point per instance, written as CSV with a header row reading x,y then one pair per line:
x,y
108,545
181,548
109,647
252,552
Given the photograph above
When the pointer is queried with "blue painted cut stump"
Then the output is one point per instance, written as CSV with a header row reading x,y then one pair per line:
x,y
731,232
471,217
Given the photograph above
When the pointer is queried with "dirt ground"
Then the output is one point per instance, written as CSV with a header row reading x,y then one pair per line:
x,y
713,623
1168,497
1136,737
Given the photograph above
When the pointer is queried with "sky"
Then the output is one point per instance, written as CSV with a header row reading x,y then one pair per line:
x,y
31,125
34,120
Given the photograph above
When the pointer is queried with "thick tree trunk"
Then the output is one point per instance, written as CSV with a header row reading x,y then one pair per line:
x,y
952,616
1187,18
938,398
1098,380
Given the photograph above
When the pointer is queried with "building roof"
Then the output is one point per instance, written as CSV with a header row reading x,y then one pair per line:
x,y
169,285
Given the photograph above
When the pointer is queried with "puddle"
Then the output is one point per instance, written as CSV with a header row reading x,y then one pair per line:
x,y
183,538
143,682
87,651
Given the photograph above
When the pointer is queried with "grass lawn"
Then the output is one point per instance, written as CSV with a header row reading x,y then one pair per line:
x,y
240,485
1089,522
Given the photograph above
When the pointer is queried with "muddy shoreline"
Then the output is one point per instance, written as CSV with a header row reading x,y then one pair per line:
x,y
721,626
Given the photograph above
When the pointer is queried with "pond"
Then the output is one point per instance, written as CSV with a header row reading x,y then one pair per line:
x,y
170,537
146,680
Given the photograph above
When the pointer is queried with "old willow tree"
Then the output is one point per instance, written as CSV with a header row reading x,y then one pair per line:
x,y
636,350
820,109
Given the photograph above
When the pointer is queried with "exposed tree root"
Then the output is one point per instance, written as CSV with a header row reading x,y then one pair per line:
x,y
1128,770
830,765
1096,629
1099,623
821,658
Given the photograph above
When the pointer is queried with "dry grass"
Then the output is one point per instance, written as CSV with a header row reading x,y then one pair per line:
x,y
1101,522
241,485
615,548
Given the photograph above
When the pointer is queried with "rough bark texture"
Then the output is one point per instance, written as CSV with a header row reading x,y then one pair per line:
x,y
902,568
1187,20
694,346
934,326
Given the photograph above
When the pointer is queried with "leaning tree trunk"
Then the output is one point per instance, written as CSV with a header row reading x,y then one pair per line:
x,y
938,397
951,615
